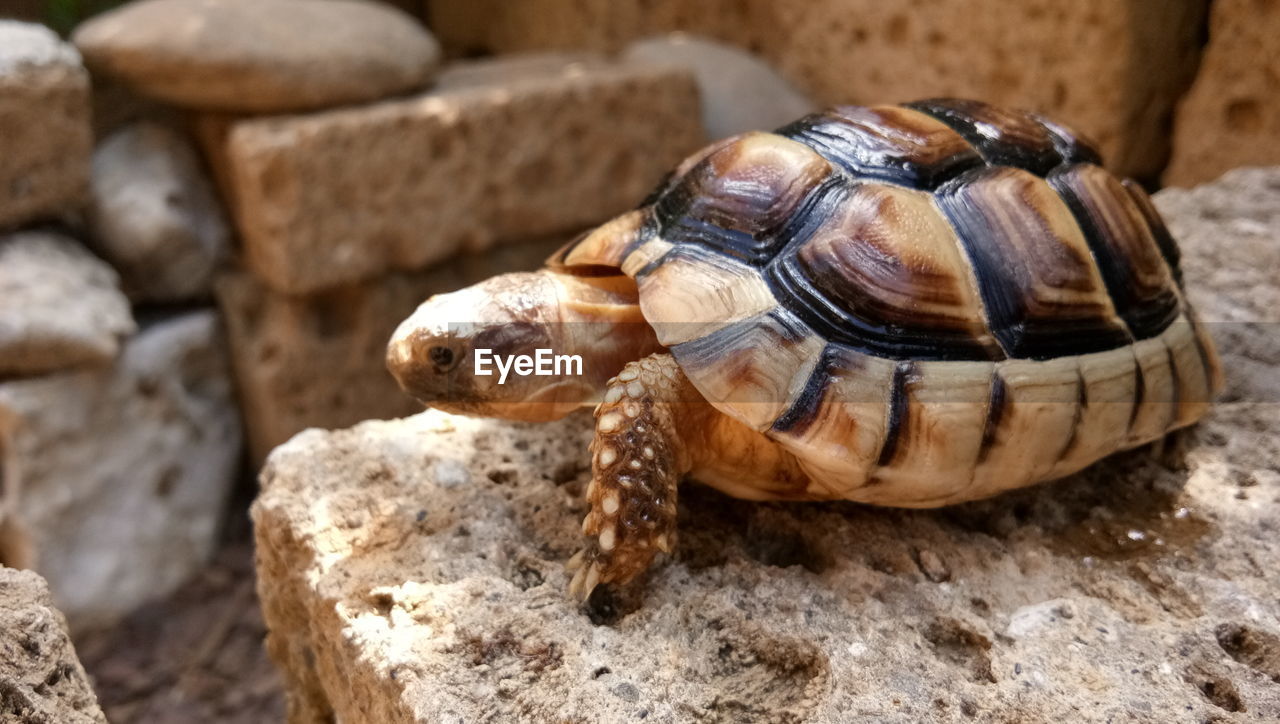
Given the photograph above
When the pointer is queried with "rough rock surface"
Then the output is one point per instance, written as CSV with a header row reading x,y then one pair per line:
x,y
1231,116
1113,69
60,306
319,360
41,680
154,215
739,91
501,150
115,478
254,56
45,137
412,570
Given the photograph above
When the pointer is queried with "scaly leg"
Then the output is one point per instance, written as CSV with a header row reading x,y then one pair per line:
x,y
652,429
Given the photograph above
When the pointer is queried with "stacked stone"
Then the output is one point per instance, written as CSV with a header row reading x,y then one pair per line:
x,y
119,439
361,178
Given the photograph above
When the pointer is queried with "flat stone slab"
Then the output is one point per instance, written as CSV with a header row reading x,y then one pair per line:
x,y
41,680
500,150
60,306
412,570
45,136
262,57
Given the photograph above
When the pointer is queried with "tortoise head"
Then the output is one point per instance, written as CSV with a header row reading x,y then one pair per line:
x,y
462,352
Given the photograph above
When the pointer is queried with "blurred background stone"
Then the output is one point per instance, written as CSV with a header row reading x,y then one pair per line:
x,y
41,680
499,150
739,92
1231,116
254,56
1113,69
60,306
119,475
44,124
153,214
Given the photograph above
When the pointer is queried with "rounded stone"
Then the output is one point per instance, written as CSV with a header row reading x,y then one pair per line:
x,y
260,57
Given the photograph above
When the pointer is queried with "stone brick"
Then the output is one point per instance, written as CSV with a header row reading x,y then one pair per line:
x,y
1231,117
499,150
1111,68
318,361
115,479
45,137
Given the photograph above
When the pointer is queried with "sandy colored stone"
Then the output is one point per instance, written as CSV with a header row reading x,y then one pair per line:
x,y
60,306
254,56
319,360
499,150
739,91
45,137
154,215
116,478
41,680
1231,116
412,570
1111,68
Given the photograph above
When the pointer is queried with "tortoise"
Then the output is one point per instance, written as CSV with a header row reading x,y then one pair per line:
x,y
910,305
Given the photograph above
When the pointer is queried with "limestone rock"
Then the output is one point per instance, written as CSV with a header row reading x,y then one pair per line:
x,y
412,570
319,360
60,306
501,150
116,478
45,137
739,91
41,680
153,214
253,56
1231,116
1112,69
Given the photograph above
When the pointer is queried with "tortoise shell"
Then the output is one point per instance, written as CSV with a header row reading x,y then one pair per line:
x,y
926,303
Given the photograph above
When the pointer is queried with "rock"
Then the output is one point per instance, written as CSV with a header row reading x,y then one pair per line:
x,y
117,477
319,360
260,57
45,137
1113,70
60,306
739,91
396,589
154,215
1231,116
41,680
501,150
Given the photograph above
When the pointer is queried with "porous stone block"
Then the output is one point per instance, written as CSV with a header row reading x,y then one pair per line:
x,y
45,136
1111,68
412,570
319,360
262,57
154,215
41,680
1231,116
499,150
60,306
115,478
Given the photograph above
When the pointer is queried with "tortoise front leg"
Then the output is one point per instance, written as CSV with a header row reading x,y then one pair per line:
x,y
638,458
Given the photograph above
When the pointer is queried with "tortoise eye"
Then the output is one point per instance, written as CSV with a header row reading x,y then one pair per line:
x,y
441,357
